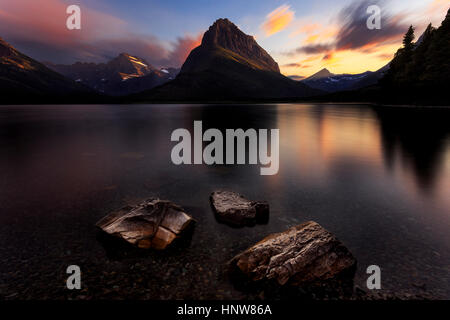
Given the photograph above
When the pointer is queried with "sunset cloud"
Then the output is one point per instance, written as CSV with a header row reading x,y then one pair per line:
x,y
302,65
309,28
38,28
44,22
324,35
354,34
346,45
438,7
351,33
328,56
182,48
314,32
40,31
311,49
278,20
311,58
330,59
292,65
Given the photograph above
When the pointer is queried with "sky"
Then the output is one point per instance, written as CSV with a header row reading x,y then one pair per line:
x,y
302,36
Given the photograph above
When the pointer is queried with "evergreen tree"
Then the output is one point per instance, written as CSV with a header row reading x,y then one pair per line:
x,y
408,39
420,72
428,31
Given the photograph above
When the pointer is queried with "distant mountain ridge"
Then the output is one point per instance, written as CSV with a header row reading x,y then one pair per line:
x,y
330,82
229,65
122,75
23,79
324,73
419,74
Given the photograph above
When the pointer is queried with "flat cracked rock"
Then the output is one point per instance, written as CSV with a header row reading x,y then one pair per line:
x,y
153,223
301,255
232,208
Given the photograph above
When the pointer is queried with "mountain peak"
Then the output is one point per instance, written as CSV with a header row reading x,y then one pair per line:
x,y
225,34
223,22
218,28
127,57
24,79
127,64
324,73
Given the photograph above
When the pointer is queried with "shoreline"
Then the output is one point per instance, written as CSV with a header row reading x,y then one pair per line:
x,y
372,104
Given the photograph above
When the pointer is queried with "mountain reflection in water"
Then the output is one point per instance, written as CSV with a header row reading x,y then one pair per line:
x,y
378,178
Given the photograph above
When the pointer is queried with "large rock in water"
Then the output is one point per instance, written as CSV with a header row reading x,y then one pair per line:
x,y
233,208
153,223
303,255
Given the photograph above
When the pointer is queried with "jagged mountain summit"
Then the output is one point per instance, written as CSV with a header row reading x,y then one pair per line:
x,y
224,34
228,65
129,66
122,75
23,79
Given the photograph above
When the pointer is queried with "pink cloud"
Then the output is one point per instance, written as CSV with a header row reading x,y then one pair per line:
x,y
46,21
38,28
182,48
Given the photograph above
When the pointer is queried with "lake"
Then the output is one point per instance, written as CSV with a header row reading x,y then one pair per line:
x,y
376,177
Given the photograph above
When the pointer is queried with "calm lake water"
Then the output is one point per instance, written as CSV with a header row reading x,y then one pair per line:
x,y
378,178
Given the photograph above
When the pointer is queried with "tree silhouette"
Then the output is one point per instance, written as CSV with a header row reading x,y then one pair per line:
x,y
408,39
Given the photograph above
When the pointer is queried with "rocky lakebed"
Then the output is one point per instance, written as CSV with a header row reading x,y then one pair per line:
x,y
147,247
156,249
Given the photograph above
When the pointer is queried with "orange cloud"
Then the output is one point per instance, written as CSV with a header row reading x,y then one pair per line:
x,y
278,20
347,47
307,28
330,59
323,36
311,39
182,48
328,56
315,34
312,58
